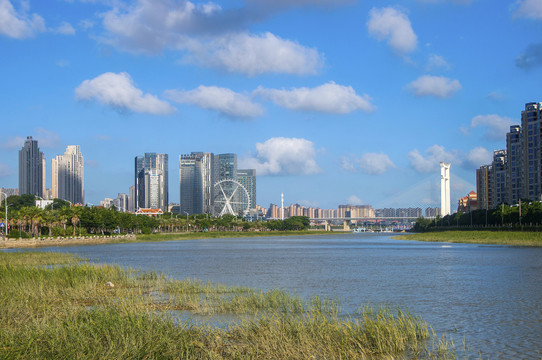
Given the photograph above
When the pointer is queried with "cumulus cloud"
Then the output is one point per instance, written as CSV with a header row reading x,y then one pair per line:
x,y
119,92
369,163
531,9
283,156
531,57
437,86
329,98
479,156
430,162
225,101
255,54
375,163
65,29
495,126
19,24
211,36
393,25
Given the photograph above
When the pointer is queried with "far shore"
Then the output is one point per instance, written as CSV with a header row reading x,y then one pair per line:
x,y
512,238
130,238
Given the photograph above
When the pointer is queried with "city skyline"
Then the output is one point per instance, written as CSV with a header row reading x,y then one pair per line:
x,y
330,101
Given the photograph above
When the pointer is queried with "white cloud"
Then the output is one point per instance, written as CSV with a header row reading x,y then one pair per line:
x,y
529,9
369,163
375,163
283,156
479,156
392,24
19,24
13,143
118,91
255,54
437,86
437,62
329,98
225,101
65,29
47,138
210,36
431,161
495,125
354,200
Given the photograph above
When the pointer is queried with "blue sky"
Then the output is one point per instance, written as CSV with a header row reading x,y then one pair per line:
x,y
332,101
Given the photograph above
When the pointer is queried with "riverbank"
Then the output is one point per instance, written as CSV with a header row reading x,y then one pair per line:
x,y
55,306
513,238
95,240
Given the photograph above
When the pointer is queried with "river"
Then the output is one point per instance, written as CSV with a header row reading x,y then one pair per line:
x,y
487,298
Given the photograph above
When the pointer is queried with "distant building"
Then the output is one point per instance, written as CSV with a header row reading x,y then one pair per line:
x,y
9,191
432,212
196,176
498,179
514,176
106,203
468,203
355,211
151,181
247,178
531,124
31,168
483,186
68,176
131,199
121,202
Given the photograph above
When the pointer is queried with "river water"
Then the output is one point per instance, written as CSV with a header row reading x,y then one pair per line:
x,y
488,299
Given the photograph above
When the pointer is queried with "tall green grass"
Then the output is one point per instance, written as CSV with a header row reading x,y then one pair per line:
x,y
514,238
56,307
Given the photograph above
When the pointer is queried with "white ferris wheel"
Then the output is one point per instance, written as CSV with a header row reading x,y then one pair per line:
x,y
230,197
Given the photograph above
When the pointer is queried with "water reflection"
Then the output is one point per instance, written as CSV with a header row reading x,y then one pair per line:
x,y
487,295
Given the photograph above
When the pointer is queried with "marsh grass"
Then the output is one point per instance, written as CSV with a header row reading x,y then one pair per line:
x,y
65,311
514,238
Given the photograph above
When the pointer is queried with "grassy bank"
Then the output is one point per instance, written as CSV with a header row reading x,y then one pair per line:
x,y
515,238
53,306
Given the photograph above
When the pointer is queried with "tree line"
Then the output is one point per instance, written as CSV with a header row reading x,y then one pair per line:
x,y
62,219
527,215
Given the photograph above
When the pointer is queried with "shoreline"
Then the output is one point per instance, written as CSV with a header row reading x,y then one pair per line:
x,y
130,238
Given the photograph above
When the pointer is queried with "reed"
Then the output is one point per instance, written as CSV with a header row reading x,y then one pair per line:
x,y
59,307
514,238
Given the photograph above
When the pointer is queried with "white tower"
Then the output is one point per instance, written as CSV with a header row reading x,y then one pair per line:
x,y
444,189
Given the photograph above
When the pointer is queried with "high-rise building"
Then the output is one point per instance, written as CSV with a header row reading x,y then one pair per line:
x,y
121,202
151,181
483,186
514,166
225,167
247,178
498,178
68,175
196,176
531,124
131,199
31,168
